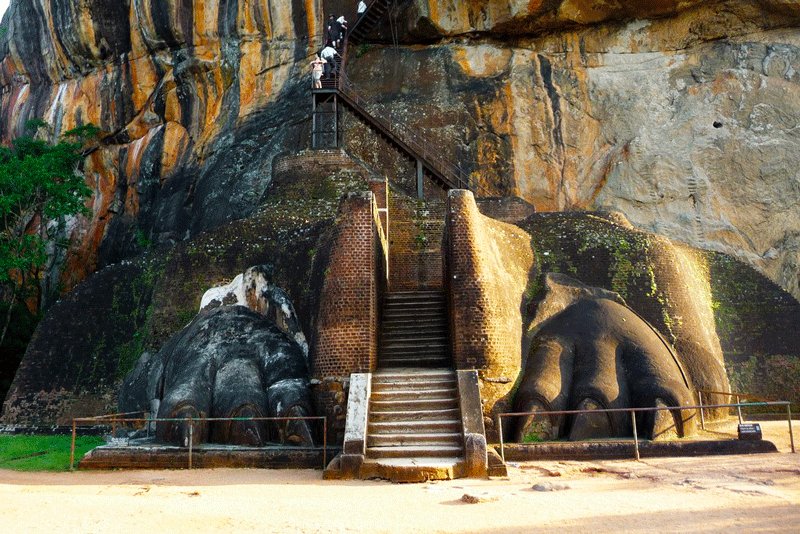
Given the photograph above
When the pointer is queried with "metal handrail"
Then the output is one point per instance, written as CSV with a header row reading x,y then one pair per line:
x,y
634,411
360,19
451,173
191,420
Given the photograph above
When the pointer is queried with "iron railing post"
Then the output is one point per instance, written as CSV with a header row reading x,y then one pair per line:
x,y
324,443
635,435
191,439
72,447
789,419
702,415
500,433
739,408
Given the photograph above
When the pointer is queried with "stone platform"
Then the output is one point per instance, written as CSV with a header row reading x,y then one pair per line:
x,y
204,457
624,449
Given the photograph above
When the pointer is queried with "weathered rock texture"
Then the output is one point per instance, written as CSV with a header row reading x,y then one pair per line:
x,y
496,280
93,337
592,351
230,361
194,100
686,123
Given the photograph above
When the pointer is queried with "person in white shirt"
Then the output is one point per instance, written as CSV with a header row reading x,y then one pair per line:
x,y
361,9
329,54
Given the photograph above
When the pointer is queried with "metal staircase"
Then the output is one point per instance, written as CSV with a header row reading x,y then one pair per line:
x,y
340,91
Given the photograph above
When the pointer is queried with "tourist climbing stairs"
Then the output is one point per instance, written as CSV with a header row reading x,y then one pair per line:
x,y
376,12
408,140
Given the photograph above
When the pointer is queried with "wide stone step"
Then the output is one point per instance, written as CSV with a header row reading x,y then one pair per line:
x,y
413,375
412,313
416,328
416,440
413,386
412,355
408,416
422,451
424,347
413,362
415,296
437,324
376,406
420,306
414,427
402,394
428,307
396,334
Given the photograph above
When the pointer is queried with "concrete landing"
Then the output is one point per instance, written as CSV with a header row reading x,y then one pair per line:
x,y
413,469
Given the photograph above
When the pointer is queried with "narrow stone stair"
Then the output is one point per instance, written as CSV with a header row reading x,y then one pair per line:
x,y
414,330
414,430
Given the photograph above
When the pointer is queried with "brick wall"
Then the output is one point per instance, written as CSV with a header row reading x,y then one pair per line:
x,y
487,268
346,337
322,162
416,232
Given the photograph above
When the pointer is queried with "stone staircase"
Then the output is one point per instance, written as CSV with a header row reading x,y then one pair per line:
x,y
414,431
414,330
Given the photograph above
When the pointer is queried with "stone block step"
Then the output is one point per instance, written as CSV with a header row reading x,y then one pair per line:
x,y
416,296
415,452
414,427
413,313
414,469
398,334
412,386
438,324
410,349
414,304
401,394
376,406
407,416
409,355
429,307
416,361
415,440
412,375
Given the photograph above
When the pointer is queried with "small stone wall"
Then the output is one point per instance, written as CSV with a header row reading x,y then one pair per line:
x,y
287,168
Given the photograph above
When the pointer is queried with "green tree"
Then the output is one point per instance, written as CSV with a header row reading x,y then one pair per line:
x,y
39,187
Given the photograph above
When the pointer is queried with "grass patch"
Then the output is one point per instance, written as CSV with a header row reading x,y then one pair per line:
x,y
43,453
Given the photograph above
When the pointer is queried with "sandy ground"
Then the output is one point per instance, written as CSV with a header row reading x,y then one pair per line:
x,y
758,493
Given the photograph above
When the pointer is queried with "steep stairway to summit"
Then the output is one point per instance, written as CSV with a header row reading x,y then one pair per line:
x,y
338,91
414,330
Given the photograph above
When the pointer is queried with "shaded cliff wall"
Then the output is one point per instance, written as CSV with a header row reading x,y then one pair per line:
x,y
89,340
194,100
686,123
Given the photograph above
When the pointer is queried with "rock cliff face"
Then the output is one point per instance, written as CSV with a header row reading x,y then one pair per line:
x,y
686,123
193,98
680,113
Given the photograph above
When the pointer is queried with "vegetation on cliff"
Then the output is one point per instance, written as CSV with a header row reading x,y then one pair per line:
x,y
39,189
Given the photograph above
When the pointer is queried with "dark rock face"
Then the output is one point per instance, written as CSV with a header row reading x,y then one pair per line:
x,y
598,353
228,362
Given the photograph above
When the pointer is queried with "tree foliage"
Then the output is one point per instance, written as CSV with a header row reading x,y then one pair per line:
x,y
39,187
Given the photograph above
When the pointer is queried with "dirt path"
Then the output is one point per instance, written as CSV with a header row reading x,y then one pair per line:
x,y
706,494
710,494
